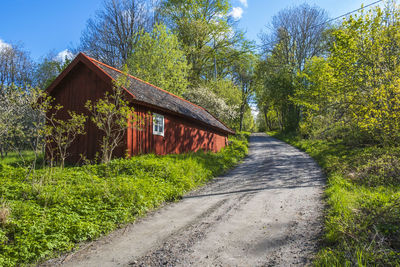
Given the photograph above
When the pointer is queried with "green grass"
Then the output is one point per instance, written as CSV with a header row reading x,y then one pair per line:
x,y
16,160
50,211
362,220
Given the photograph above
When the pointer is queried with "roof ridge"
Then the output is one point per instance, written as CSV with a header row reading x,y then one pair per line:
x,y
152,85
91,59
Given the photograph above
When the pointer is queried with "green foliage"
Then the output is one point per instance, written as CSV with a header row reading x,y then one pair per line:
x,y
61,133
226,90
50,212
205,98
14,159
363,197
242,136
22,119
248,121
261,125
244,74
207,34
157,58
276,87
296,34
356,86
48,70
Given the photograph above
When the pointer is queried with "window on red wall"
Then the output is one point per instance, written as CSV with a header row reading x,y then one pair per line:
x,y
158,124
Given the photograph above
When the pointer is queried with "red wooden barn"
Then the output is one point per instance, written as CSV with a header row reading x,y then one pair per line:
x,y
176,125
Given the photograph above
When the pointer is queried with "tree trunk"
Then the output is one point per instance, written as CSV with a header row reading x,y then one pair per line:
x,y
241,117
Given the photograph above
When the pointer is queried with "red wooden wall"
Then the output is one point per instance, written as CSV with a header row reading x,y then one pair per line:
x,y
180,135
79,86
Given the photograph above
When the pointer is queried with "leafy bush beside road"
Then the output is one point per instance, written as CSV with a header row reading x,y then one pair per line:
x,y
50,211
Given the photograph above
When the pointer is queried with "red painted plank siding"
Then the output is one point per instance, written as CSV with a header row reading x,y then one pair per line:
x,y
79,86
180,136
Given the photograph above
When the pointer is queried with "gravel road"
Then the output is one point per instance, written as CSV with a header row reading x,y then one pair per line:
x,y
265,212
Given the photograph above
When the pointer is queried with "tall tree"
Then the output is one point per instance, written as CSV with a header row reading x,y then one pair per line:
x,y
300,33
205,29
158,58
15,67
244,76
48,69
296,34
112,33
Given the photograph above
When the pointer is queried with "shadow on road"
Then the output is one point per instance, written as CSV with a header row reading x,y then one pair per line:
x,y
271,165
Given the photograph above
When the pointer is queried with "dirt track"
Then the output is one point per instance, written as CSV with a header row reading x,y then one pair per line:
x,y
266,212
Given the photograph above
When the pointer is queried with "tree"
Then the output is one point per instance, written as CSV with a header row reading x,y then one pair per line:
x,y
358,82
226,90
28,121
276,86
297,34
20,121
157,58
205,98
244,76
112,115
299,31
249,124
206,31
9,102
60,133
261,123
48,69
15,67
112,33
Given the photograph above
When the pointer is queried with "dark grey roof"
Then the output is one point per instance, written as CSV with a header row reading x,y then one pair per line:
x,y
155,96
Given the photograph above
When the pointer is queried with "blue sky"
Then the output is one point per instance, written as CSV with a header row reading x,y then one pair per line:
x,y
45,25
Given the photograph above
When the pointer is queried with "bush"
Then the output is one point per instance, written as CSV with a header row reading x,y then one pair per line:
x,y
49,212
242,136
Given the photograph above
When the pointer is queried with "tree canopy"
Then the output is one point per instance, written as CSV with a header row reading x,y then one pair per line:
x,y
158,58
356,87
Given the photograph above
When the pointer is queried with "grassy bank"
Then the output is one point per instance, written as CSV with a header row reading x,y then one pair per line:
x,y
362,223
49,212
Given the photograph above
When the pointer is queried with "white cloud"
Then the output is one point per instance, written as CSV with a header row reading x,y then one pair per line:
x,y
4,45
64,54
236,13
243,2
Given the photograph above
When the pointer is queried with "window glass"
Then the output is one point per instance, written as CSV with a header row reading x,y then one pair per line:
x,y
158,124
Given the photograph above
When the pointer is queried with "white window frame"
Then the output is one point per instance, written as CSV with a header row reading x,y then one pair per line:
x,y
157,131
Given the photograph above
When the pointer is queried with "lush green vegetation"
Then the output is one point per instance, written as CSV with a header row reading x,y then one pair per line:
x,y
363,196
51,210
24,158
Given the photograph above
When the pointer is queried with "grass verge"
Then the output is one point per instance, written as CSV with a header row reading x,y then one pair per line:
x,y
362,221
50,211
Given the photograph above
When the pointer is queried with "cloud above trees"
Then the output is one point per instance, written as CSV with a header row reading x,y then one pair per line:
x,y
236,13
65,54
4,44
